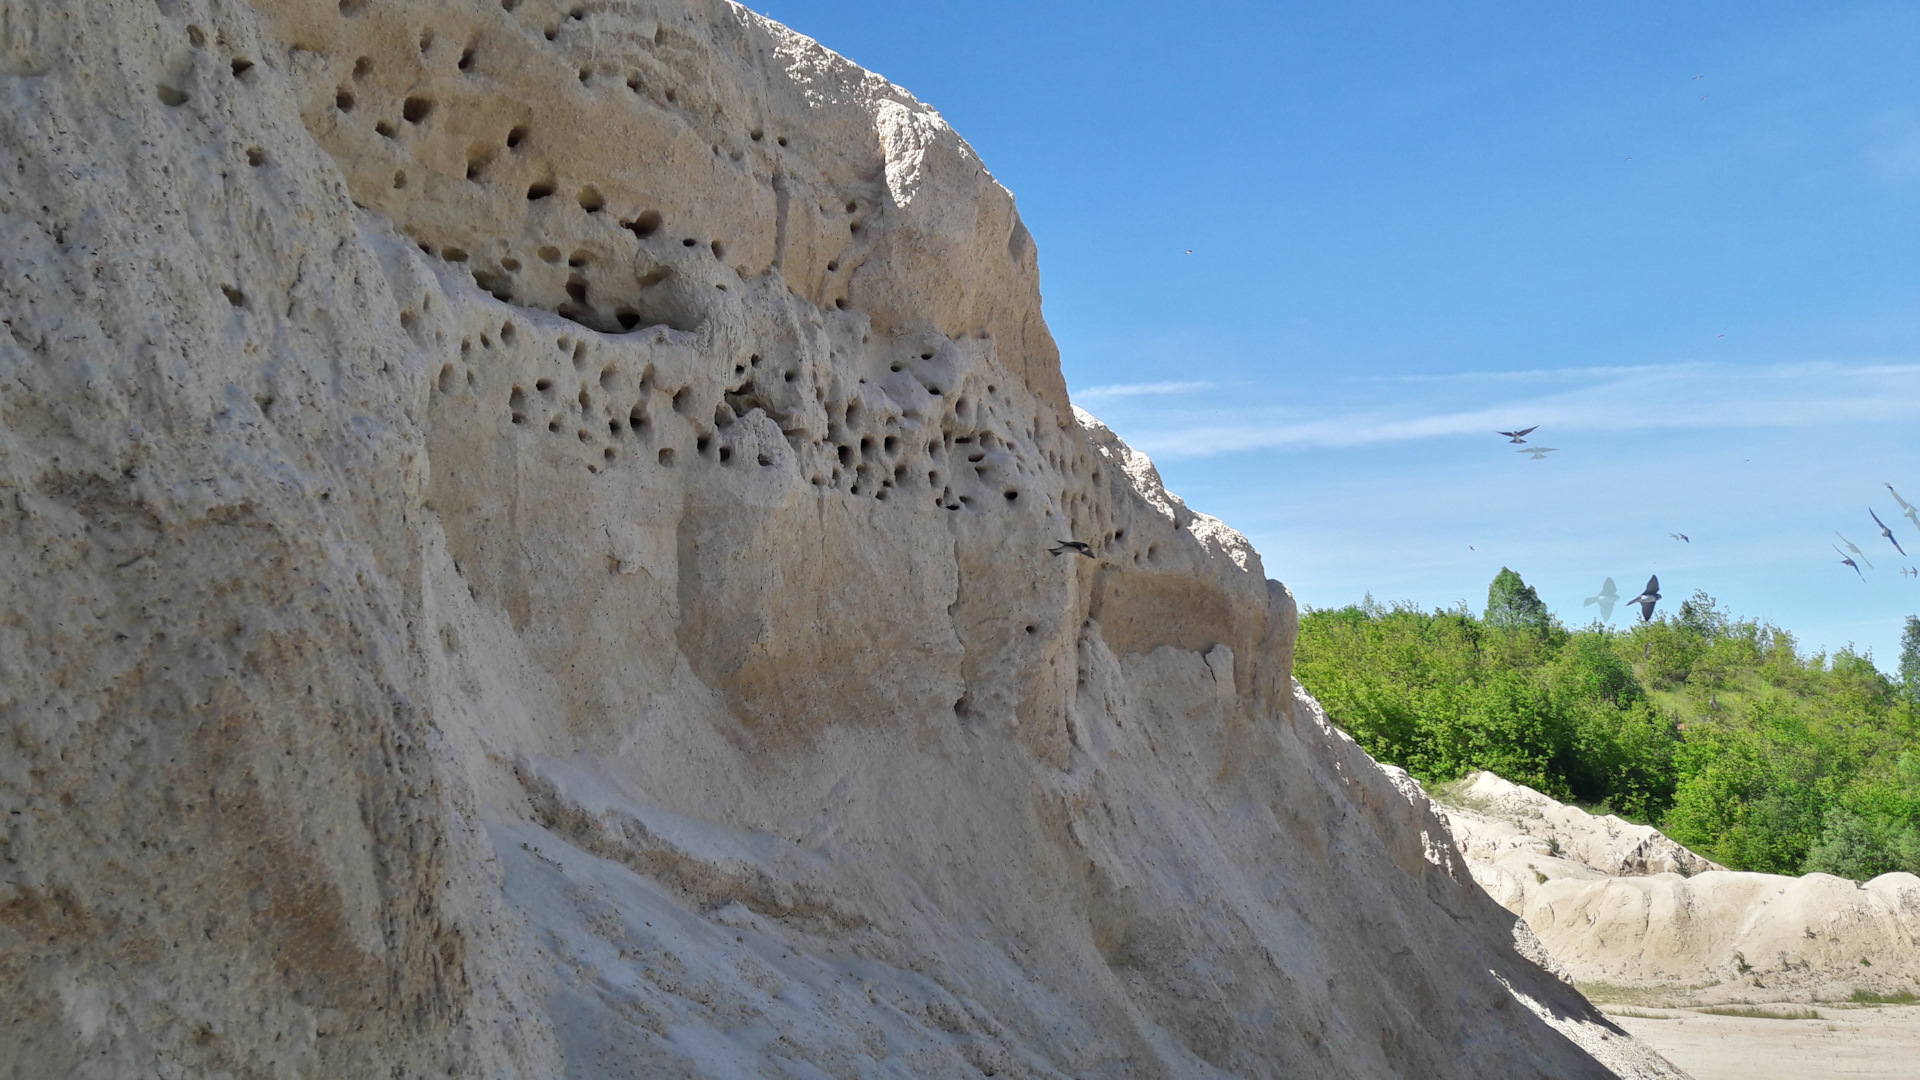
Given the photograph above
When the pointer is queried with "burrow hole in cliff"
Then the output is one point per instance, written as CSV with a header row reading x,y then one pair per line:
x,y
415,110
517,406
666,456
645,225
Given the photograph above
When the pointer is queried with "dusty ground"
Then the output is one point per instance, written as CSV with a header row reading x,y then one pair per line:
x,y
1879,1042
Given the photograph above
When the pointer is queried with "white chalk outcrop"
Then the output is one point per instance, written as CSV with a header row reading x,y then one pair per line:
x,y
524,552
1623,906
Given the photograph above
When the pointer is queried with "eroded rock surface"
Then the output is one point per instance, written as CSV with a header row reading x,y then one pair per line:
x,y
1629,912
524,546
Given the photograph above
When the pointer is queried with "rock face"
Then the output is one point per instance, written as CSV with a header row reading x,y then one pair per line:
x,y
524,537
1622,907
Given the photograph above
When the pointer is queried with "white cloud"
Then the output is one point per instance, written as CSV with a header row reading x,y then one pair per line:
x,y
1682,397
1143,389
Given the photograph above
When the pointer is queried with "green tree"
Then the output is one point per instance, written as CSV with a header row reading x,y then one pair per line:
x,y
1910,657
1715,728
1513,605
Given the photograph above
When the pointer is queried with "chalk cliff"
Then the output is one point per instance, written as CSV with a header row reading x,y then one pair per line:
x,y
524,551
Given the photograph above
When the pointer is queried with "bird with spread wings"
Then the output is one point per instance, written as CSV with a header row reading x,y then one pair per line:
x,y
1906,507
1857,553
1609,596
1888,533
1648,597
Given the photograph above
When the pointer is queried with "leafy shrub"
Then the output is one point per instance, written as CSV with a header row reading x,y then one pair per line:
x,y
1715,728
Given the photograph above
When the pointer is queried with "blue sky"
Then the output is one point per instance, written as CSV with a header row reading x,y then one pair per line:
x,y
1681,237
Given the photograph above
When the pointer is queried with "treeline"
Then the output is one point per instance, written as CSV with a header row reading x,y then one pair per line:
x,y
1717,730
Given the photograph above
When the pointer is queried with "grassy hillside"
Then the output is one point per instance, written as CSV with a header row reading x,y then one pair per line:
x,y
1718,730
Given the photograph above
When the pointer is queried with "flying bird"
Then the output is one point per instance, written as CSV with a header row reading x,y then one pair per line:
x,y
1888,533
1850,562
1539,452
1906,507
1861,555
1077,547
1647,598
1609,596
1909,572
1680,536
1518,436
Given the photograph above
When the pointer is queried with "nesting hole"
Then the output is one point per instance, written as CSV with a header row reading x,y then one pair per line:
x,y
416,109
515,137
645,225
540,190
342,99
592,201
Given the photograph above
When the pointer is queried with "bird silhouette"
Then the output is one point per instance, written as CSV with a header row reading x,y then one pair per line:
x,y
1518,436
1909,572
1609,596
1888,533
1647,598
1857,553
1850,562
1539,452
1906,507
1077,547
1680,536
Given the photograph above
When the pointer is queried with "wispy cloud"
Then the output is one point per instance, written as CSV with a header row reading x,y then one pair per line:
x,y
1692,397
1157,389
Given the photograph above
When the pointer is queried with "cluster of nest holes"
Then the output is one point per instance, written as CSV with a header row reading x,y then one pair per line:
x,y
173,96
959,459
608,306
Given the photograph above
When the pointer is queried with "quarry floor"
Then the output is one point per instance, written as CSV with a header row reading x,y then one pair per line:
x,y
1882,1042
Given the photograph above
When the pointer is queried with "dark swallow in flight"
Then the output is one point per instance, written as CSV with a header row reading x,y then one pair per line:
x,y
1517,436
1647,598
1849,562
1077,547
1680,536
1888,533
1855,548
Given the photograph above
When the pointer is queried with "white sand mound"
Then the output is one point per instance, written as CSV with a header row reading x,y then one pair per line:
x,y
1625,909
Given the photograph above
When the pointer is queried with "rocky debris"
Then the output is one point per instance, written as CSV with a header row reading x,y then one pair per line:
x,y
524,551
1629,913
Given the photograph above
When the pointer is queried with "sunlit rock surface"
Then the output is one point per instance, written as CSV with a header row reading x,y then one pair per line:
x,y
525,541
